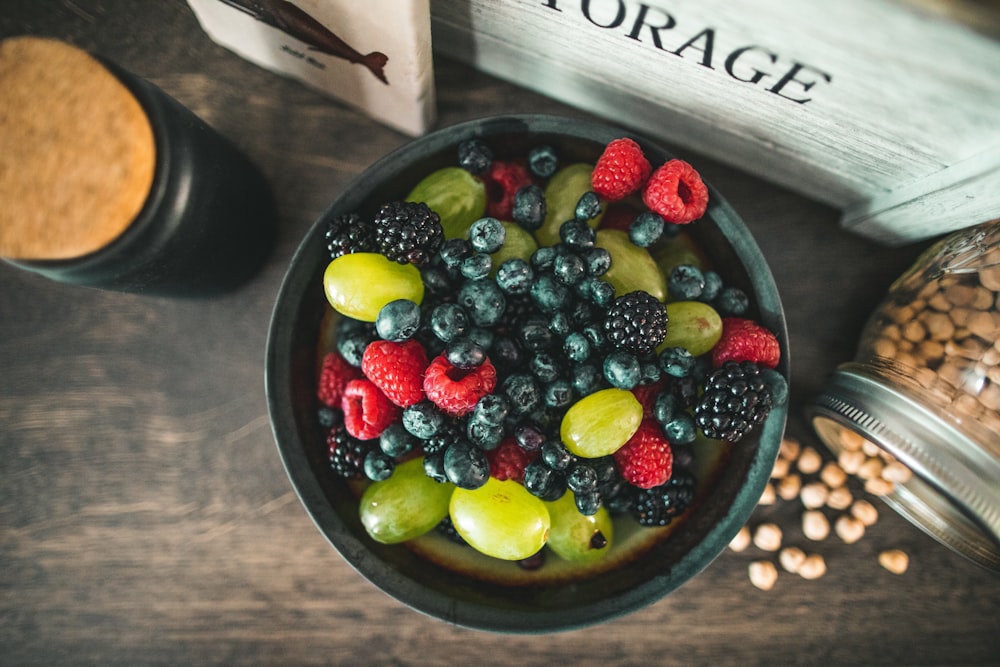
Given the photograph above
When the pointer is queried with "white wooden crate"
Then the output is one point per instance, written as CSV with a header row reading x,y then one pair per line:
x,y
888,110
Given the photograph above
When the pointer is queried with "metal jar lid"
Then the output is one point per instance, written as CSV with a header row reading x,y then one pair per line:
x,y
954,493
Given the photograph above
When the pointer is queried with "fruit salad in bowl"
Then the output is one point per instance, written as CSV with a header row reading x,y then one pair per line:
x,y
528,373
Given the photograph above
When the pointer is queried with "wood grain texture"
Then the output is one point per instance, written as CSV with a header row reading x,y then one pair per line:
x,y
145,518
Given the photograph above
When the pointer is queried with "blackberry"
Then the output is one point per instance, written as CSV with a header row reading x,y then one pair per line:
x,y
408,232
347,453
636,322
662,504
349,233
734,400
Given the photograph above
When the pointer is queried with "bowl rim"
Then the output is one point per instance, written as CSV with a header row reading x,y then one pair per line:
x,y
299,285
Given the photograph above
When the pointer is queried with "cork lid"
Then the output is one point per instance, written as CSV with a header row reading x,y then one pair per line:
x,y
77,153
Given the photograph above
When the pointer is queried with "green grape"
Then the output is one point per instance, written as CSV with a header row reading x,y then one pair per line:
x,y
679,250
577,537
600,423
693,325
500,519
405,505
561,196
457,196
360,284
632,267
520,244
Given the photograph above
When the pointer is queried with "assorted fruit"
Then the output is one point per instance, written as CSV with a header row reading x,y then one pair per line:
x,y
528,351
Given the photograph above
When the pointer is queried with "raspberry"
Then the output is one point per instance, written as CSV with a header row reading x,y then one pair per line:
x,y
367,411
509,460
745,340
408,232
619,216
456,391
503,179
676,192
646,460
333,377
621,170
646,394
397,369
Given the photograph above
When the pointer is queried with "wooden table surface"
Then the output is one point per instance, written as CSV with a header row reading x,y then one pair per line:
x,y
145,517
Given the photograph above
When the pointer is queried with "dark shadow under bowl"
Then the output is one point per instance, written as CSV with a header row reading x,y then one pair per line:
x,y
291,365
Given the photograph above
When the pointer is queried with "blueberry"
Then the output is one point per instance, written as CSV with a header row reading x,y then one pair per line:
x,y
453,251
395,440
378,466
581,478
569,269
482,336
529,207
491,409
556,456
434,466
549,294
515,276
352,339
482,435
542,259
535,334
622,369
576,347
529,437
588,206
475,156
777,384
713,286
731,302
424,420
686,282
597,260
560,324
577,234
487,235
558,394
595,336
463,352
649,371
505,352
544,482
398,320
681,429
544,366
448,321
677,362
602,293
542,161
646,229
588,504
466,466
477,266
327,416
483,300
665,406
522,392
436,280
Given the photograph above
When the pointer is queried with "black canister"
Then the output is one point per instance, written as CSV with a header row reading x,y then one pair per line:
x,y
207,223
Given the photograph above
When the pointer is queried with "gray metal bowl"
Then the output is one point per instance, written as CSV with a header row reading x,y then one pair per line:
x,y
439,592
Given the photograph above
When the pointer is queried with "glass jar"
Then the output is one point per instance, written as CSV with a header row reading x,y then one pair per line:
x,y
922,395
